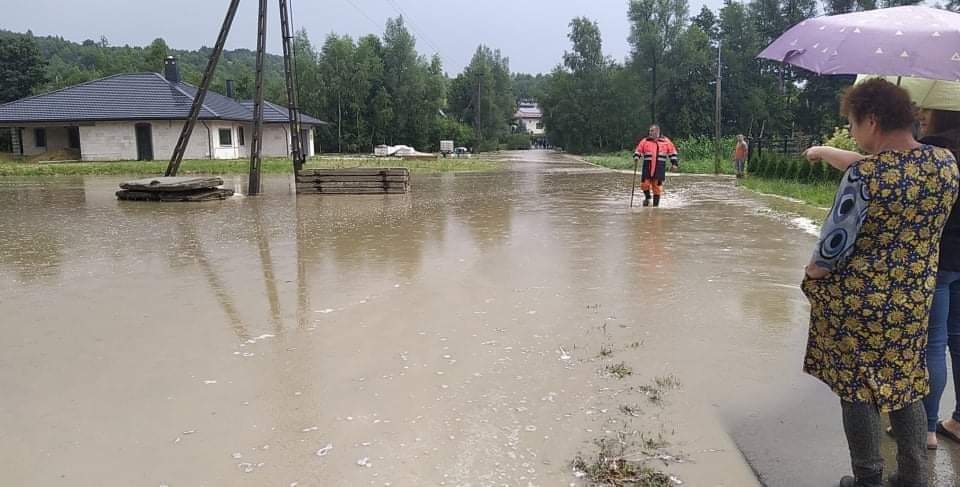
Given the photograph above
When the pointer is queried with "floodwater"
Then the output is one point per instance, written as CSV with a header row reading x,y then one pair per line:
x,y
459,335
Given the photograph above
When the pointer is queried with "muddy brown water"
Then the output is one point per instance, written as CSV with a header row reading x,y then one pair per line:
x,y
451,336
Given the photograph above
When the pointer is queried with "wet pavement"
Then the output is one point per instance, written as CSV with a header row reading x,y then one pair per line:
x,y
462,334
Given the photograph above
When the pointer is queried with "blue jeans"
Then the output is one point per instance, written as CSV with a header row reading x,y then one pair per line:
x,y
944,332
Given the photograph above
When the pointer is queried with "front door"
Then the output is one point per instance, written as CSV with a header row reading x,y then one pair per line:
x,y
144,142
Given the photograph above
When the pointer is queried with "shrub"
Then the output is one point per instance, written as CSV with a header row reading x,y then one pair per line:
x,y
841,139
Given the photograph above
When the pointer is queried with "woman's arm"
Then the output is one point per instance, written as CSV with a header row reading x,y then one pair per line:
x,y
838,158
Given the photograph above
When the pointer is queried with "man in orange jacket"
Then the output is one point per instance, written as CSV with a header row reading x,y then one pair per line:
x,y
653,151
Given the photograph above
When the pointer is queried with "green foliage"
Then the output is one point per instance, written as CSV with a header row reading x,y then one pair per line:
x,y
517,142
841,139
21,67
482,95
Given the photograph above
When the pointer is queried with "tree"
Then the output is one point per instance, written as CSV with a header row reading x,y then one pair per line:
x,y
655,26
483,95
21,68
154,55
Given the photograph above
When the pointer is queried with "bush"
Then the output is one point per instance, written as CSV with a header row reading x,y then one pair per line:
x,y
517,142
841,139
486,146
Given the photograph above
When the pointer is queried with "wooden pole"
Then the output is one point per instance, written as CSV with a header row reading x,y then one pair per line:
x,y
253,186
184,139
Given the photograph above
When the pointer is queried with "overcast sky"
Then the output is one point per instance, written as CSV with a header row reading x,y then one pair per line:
x,y
532,33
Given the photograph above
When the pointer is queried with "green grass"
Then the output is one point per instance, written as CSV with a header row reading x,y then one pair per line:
x,y
624,160
269,166
817,194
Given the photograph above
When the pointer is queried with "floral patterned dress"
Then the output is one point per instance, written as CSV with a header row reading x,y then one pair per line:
x,y
868,318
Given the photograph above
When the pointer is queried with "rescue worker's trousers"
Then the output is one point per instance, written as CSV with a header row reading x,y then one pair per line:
x,y
648,185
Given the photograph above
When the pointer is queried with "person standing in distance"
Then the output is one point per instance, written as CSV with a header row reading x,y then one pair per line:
x,y
653,151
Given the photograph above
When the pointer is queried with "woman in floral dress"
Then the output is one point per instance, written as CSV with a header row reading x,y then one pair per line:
x,y
871,280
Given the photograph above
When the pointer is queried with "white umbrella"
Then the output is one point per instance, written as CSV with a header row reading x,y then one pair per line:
x,y
926,93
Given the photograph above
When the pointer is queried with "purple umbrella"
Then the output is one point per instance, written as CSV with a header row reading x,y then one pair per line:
x,y
899,41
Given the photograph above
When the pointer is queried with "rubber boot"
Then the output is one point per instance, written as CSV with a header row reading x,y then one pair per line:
x,y
656,200
646,198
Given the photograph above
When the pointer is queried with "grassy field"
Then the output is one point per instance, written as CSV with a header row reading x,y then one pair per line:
x,y
624,160
816,194
269,166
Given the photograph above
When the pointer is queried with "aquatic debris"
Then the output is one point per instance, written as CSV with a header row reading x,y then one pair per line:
x,y
312,428
631,410
324,311
606,351
564,355
325,450
208,382
237,456
260,338
364,462
620,370
611,467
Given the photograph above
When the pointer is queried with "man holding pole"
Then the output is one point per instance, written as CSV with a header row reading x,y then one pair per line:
x,y
653,152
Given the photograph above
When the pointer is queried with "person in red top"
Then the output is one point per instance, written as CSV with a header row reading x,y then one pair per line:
x,y
653,151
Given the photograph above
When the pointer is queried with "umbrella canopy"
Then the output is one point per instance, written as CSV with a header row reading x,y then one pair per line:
x,y
900,41
926,93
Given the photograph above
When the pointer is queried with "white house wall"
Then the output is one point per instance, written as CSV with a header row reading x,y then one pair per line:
x,y
108,141
117,141
57,138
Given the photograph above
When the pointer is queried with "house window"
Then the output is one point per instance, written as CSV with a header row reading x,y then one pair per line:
x,y
40,137
73,135
226,137
539,125
240,136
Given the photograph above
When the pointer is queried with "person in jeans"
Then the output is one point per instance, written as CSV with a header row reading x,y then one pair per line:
x,y
942,128
871,281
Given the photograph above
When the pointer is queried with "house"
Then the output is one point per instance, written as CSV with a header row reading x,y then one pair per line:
x,y
140,117
529,118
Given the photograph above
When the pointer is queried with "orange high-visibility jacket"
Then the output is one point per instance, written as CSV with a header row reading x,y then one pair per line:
x,y
654,154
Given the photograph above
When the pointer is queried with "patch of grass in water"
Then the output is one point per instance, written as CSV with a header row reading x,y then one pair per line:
x,y
620,370
611,467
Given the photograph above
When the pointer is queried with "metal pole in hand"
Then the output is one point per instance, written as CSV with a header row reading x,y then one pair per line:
x,y
636,168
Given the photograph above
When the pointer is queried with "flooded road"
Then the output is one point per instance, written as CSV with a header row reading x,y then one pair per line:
x,y
485,329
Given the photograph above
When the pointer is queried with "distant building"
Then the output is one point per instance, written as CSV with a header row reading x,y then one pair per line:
x,y
529,118
140,117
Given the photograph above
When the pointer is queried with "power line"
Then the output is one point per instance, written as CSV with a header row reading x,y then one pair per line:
x,y
416,28
358,9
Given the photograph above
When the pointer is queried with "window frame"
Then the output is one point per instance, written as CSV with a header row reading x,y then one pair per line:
x,y
229,133
240,136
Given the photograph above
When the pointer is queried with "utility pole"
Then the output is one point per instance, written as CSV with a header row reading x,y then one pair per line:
x,y
479,105
201,93
253,186
716,163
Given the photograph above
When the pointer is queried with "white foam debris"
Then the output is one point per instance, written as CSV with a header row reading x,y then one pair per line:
x,y
312,428
237,456
208,382
325,450
364,462
260,338
324,311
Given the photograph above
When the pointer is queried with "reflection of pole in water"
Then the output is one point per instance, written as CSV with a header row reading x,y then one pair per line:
x,y
216,284
303,298
269,280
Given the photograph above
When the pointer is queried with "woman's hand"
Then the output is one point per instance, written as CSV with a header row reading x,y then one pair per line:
x,y
814,154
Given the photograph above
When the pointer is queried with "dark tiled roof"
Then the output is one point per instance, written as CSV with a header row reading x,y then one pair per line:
x,y
141,96
273,113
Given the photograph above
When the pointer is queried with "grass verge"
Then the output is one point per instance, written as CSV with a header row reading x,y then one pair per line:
x,y
624,160
269,166
817,194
